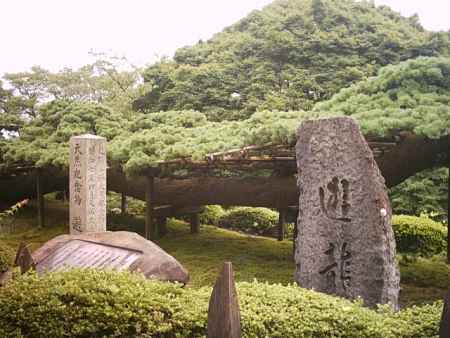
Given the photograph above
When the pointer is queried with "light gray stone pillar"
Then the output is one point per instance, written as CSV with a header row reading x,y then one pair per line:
x,y
345,243
87,184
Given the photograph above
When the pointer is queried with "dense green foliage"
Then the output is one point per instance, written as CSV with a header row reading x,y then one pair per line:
x,y
171,135
424,193
44,141
6,257
142,140
419,235
10,109
287,56
249,220
211,215
411,96
97,304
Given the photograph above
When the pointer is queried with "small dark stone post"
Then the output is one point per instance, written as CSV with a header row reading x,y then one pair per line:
x,y
40,199
195,223
24,259
444,330
224,318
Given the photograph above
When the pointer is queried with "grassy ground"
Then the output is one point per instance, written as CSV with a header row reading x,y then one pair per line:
x,y
265,259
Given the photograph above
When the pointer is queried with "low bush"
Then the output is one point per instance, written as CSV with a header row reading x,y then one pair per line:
x,y
212,214
134,206
256,221
431,272
419,235
6,257
100,303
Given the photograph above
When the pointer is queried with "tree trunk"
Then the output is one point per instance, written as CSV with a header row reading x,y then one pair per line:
x,y
123,204
150,231
281,225
40,199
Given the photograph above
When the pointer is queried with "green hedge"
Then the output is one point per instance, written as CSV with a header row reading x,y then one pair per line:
x,y
256,221
211,215
100,303
419,235
6,257
431,272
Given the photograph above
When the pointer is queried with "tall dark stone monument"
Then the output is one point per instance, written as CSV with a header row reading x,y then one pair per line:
x,y
345,244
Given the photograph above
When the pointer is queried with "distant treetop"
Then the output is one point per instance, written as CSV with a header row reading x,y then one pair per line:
x,y
287,56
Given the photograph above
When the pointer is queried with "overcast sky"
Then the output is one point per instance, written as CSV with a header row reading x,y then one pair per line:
x,y
60,33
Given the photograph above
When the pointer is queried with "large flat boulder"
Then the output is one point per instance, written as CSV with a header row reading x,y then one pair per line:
x,y
121,250
345,244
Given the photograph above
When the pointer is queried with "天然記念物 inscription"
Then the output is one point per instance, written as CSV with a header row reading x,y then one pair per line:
x,y
87,184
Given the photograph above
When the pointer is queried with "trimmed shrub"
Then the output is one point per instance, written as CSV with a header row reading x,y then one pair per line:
x,y
211,215
256,221
134,206
425,272
419,235
92,303
6,257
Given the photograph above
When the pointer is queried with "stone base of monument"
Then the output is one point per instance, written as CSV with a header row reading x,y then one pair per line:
x,y
120,250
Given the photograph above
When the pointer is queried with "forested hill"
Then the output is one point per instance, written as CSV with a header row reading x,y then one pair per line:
x,y
287,56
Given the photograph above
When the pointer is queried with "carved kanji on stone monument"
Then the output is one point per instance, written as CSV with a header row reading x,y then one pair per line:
x,y
87,184
345,244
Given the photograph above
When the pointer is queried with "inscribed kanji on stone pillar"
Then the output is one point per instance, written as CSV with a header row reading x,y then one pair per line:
x,y
87,184
345,243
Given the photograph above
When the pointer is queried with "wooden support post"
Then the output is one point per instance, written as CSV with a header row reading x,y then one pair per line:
x,y
150,231
195,223
162,226
224,318
40,199
444,329
281,221
123,204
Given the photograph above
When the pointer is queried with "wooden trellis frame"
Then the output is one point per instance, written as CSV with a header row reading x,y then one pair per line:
x,y
269,156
